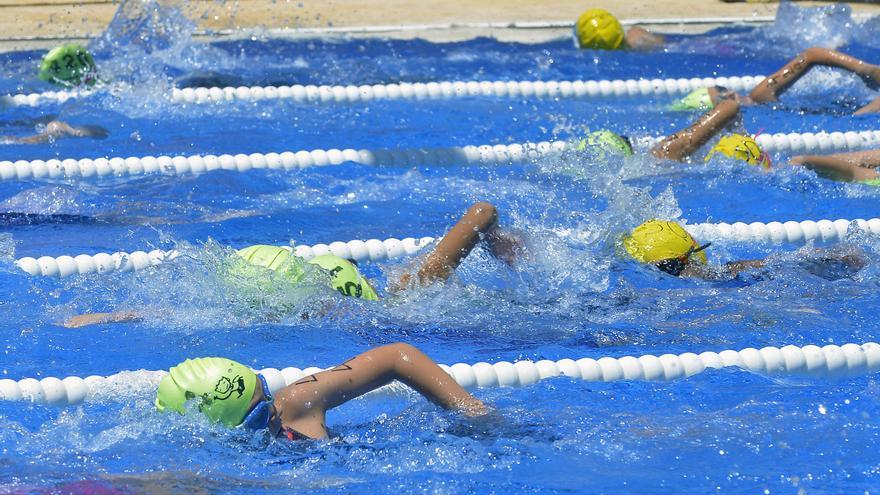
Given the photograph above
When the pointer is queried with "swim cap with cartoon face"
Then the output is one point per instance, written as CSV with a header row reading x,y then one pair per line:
x,y
742,148
597,29
223,388
658,240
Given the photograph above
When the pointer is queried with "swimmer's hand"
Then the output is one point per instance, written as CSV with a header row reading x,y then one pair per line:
x,y
98,318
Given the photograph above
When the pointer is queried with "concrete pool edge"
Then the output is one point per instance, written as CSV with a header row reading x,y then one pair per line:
x,y
56,21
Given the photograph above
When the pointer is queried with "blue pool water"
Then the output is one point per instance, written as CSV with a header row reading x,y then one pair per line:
x,y
723,431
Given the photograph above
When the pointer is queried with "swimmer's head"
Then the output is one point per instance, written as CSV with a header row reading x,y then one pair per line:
x,y
666,245
345,277
68,65
697,100
742,148
597,29
223,388
606,143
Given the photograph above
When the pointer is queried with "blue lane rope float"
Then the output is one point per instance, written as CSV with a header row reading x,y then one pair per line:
x,y
824,231
499,154
830,361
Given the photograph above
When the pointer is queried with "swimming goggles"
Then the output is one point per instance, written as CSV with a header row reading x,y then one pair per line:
x,y
674,266
258,418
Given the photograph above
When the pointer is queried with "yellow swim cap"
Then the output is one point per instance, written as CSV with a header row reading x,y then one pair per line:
x,y
696,100
597,29
346,277
606,142
658,240
742,148
68,65
223,387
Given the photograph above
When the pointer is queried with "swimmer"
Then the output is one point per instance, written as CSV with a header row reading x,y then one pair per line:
x,y
771,88
55,130
667,246
597,29
230,393
857,166
683,144
479,223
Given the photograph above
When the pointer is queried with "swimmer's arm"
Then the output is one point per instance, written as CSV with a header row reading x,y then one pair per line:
x,y
305,402
97,318
873,107
481,218
855,166
770,88
57,129
682,144
734,268
639,38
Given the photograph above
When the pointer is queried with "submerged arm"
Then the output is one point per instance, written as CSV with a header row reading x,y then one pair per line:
x,y
303,404
57,129
97,318
682,144
855,166
769,89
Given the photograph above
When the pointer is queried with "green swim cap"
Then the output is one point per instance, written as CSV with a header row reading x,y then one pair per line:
x,y
68,65
346,277
696,100
275,258
871,182
605,142
224,388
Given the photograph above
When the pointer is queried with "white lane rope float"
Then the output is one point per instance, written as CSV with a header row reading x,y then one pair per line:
x,y
824,231
500,154
830,361
421,91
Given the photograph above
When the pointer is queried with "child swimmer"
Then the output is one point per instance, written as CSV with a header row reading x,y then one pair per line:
x,y
772,87
667,246
597,29
479,223
233,395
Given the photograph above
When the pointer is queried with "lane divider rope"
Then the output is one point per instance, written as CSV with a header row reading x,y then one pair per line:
x,y
87,168
423,91
830,361
824,231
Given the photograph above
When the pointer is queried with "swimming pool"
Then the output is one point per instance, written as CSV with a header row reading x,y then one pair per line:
x,y
725,430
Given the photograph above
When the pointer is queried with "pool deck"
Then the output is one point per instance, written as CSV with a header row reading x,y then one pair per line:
x,y
44,23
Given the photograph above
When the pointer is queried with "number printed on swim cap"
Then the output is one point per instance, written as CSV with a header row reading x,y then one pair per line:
x,y
69,65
